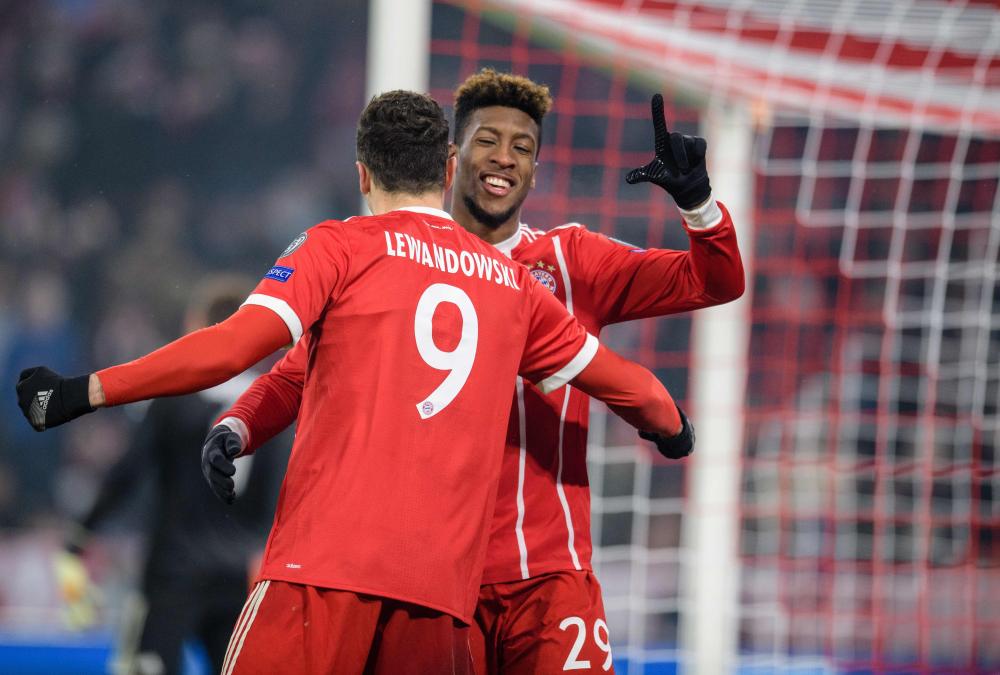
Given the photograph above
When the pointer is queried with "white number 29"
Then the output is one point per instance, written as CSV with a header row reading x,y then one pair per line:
x,y
458,361
574,663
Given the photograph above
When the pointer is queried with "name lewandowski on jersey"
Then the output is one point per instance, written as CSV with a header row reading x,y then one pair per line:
x,y
445,259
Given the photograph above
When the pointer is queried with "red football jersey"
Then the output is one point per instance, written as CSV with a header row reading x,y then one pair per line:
x,y
541,521
416,331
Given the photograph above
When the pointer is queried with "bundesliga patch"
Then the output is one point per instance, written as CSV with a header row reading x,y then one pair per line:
x,y
279,273
298,241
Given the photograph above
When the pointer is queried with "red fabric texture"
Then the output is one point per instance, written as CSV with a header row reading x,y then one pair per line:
x,y
636,282
302,630
271,403
551,623
198,360
632,392
601,281
414,331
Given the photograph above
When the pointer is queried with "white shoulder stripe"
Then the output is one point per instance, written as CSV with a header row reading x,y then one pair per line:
x,y
565,225
573,368
282,309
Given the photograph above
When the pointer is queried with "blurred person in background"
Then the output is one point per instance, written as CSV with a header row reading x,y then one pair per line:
x,y
120,118
200,555
107,110
45,331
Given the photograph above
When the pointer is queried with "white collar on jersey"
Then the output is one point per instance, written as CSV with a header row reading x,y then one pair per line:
x,y
511,242
430,211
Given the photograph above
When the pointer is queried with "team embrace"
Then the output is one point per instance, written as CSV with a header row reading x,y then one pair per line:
x,y
434,517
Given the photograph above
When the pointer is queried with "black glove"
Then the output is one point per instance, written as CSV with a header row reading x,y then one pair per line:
x,y
221,447
674,447
679,165
48,399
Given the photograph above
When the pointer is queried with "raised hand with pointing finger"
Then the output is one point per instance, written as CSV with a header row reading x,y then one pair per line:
x,y
679,164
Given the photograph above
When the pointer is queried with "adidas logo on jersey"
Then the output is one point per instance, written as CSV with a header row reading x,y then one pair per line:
x,y
38,408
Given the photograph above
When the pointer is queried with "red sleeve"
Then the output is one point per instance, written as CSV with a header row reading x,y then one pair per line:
x,y
628,282
272,402
632,392
308,275
198,360
558,346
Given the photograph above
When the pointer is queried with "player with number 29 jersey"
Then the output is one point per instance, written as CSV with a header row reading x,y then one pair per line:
x,y
414,423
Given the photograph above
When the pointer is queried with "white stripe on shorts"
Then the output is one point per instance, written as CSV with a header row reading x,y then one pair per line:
x,y
243,626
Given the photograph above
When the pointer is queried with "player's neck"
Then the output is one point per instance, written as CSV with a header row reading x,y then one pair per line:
x,y
380,202
486,231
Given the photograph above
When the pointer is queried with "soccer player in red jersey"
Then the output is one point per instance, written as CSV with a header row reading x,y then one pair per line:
x,y
415,331
540,607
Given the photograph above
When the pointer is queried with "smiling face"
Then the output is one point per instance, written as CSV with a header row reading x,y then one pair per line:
x,y
496,169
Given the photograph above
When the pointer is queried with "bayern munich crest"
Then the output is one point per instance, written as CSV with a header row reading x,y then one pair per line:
x,y
543,274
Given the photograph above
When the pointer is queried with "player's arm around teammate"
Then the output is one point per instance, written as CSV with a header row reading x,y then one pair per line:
x,y
271,403
197,361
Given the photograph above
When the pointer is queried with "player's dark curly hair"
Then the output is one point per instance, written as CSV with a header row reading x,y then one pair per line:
x,y
488,87
403,140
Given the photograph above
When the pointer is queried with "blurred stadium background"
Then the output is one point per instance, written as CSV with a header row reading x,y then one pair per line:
x,y
841,514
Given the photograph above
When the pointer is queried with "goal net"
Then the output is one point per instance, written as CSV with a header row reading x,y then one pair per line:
x,y
866,511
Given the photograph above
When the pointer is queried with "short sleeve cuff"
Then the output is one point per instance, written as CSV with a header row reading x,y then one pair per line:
x,y
282,309
573,368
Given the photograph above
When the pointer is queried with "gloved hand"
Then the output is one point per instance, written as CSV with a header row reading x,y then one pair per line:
x,y
674,447
679,164
79,594
48,399
221,447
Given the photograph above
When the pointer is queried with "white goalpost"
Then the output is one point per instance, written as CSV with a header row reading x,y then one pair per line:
x,y
399,38
719,345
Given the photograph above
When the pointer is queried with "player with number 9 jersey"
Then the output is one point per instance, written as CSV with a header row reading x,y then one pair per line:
x,y
416,329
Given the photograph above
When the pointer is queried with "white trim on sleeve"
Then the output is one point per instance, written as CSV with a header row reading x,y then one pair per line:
x,y
573,368
703,217
282,309
237,426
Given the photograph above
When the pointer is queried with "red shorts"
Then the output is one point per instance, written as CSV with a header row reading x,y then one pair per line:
x,y
304,630
547,624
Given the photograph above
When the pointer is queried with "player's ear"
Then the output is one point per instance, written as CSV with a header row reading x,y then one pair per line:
x,y
533,173
364,179
449,171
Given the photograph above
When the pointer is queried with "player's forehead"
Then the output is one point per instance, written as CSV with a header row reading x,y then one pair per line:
x,y
502,120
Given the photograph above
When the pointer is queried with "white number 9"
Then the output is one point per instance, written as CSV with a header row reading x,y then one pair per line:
x,y
460,360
